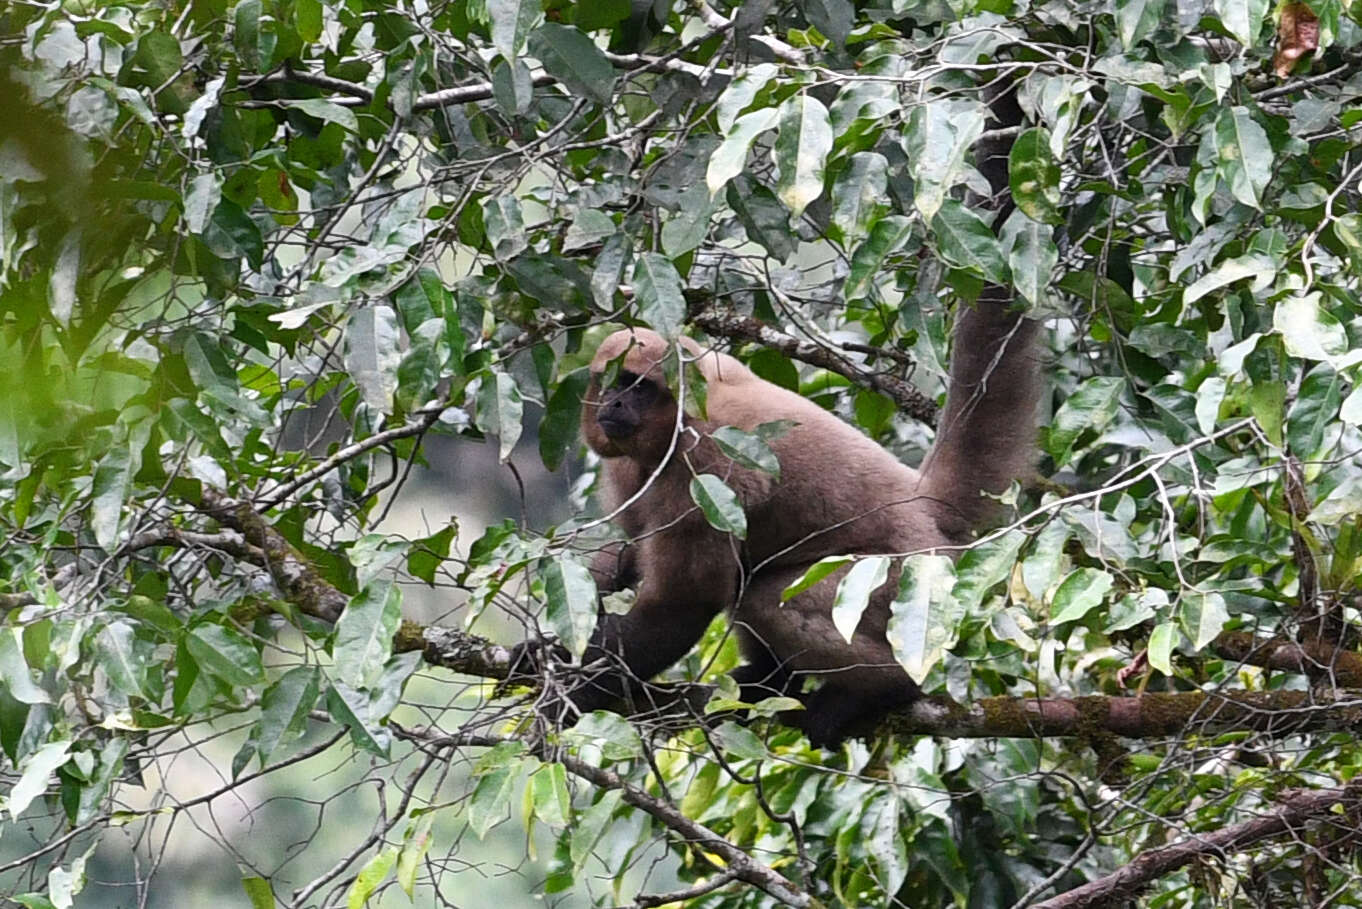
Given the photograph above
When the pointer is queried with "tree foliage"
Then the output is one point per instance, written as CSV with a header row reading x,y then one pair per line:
x,y
255,256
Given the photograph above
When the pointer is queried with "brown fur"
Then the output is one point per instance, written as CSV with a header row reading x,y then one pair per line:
x,y
839,493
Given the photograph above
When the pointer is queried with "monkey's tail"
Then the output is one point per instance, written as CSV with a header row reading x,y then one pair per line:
x,y
986,437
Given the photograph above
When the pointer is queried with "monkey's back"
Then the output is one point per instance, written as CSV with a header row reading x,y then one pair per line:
x,y
839,492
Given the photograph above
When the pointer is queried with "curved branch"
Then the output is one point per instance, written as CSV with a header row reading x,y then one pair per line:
x,y
1298,808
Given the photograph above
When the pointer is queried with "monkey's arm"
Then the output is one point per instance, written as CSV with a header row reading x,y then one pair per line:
x,y
681,589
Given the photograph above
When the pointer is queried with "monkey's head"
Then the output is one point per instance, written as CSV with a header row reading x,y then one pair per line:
x,y
628,410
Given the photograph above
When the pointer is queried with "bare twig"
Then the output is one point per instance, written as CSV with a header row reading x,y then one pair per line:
x,y
741,865
745,328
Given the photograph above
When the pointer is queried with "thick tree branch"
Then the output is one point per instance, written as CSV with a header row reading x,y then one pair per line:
x,y
1298,808
1147,716
295,577
1151,715
1312,658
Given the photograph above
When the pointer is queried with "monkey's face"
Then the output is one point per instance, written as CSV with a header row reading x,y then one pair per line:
x,y
634,416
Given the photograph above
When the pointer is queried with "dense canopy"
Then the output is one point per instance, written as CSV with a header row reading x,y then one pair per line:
x,y
273,273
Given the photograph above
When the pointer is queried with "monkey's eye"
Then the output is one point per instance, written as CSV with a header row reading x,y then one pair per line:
x,y
628,379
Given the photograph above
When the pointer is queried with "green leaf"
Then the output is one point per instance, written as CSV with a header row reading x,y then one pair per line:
x,y
1079,593
739,742
588,229
14,669
328,112
730,157
425,556
373,555
815,573
505,226
120,658
225,653
112,484
985,565
500,410
571,594
611,262
1031,255
1313,414
374,872
939,135
1160,649
924,614
372,354
202,199
609,733
549,795
1203,616
740,94
246,35
1351,410
1260,268
308,17
762,216
657,287
1033,175
588,826
867,263
487,806
747,450
350,708
859,195
558,429
37,770
720,504
364,634
803,140
1242,18
284,708
259,892
1243,150
965,241
415,843
1091,407
574,58
866,576
1041,567
1209,396
512,86
1137,19
1310,331
512,22
689,227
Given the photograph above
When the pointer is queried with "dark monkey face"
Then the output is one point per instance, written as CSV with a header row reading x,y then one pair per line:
x,y
635,416
625,406
628,411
